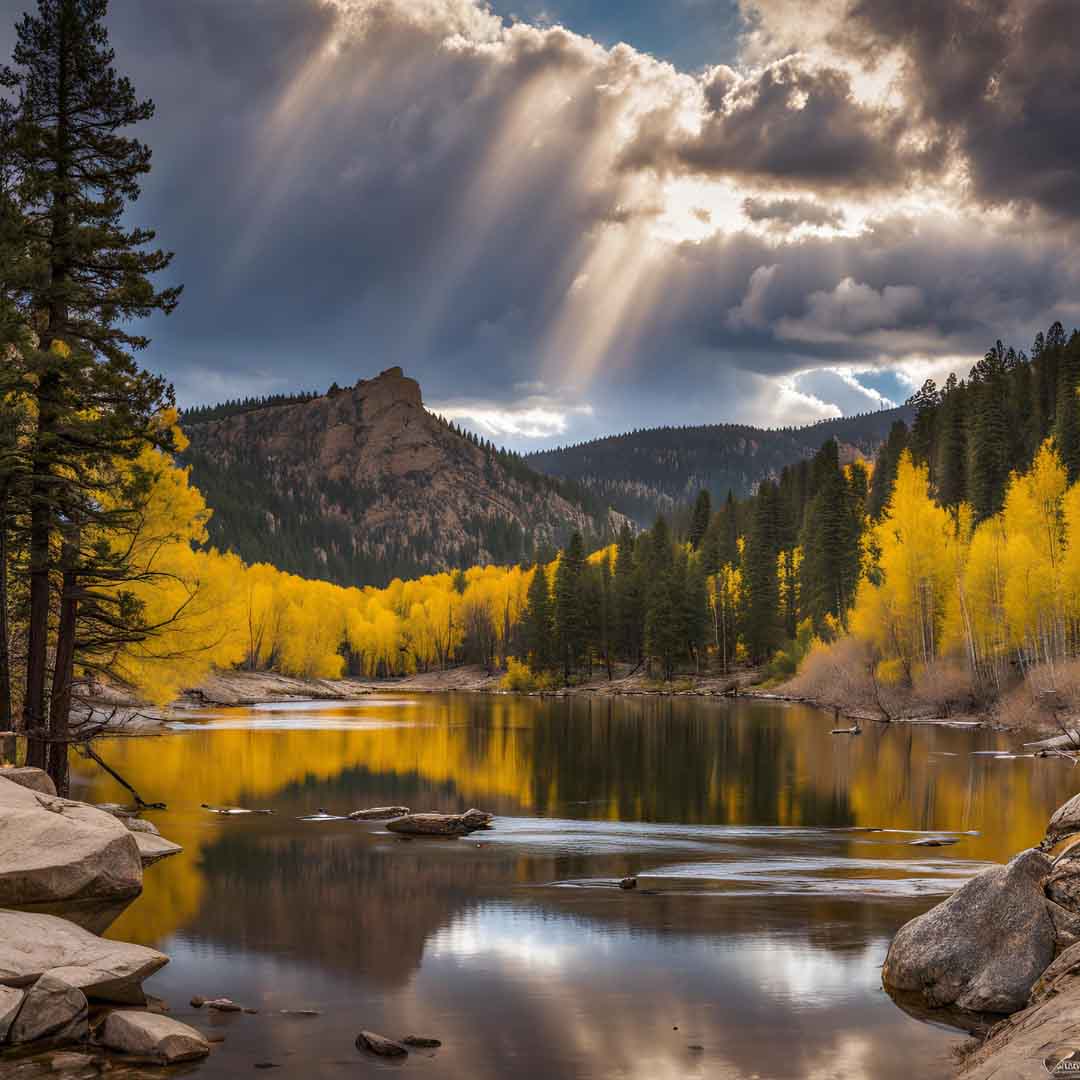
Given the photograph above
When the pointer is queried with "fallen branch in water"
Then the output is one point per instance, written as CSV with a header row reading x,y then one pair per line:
x,y
88,751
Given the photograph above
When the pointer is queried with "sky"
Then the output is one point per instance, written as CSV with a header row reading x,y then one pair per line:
x,y
573,217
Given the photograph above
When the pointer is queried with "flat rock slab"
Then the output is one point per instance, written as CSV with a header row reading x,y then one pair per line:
x,y
32,944
153,848
52,1009
153,1035
28,777
54,850
1019,1048
983,948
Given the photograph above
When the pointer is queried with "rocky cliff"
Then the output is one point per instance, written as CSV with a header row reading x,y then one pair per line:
x,y
364,484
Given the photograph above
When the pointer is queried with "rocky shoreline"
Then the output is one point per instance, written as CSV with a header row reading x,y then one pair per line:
x,y
1005,946
66,870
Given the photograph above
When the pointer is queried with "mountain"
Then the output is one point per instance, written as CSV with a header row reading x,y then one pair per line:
x,y
657,470
362,485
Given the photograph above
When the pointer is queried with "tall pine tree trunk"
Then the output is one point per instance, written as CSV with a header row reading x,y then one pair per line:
x,y
7,719
37,640
64,664
42,504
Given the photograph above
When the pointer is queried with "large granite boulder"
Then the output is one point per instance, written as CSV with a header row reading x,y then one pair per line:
x,y
32,944
984,947
56,850
1064,822
52,1009
28,777
153,1035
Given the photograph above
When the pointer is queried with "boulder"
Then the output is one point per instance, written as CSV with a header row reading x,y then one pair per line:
x,y
56,850
1064,822
29,777
1063,885
153,848
53,1009
10,1001
152,1035
430,824
32,943
379,1044
984,947
379,813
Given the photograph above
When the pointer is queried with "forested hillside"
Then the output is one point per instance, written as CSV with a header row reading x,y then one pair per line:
x,y
362,485
643,473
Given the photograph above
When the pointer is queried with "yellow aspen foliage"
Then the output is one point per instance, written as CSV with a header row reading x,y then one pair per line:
x,y
902,613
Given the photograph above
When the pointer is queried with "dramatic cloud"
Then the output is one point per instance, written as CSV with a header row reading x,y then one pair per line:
x,y
833,205
789,213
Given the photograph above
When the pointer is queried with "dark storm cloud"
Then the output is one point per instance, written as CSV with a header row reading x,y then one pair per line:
x,y
999,79
787,124
789,213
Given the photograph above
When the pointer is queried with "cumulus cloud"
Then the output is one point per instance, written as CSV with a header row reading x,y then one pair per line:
x,y
788,123
503,207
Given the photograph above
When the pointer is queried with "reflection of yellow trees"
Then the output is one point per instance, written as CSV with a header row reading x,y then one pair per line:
x,y
638,760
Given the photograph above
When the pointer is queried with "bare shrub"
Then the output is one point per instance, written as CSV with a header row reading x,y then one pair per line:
x,y
944,688
841,675
1047,700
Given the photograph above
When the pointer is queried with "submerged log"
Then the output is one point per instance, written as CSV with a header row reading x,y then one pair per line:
x,y
380,1045
435,824
379,813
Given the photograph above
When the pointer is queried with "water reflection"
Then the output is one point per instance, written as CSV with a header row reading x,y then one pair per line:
x,y
762,906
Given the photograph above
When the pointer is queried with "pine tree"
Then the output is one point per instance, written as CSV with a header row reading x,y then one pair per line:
x,y
952,452
537,624
1067,423
988,433
761,618
888,457
628,599
829,570
699,521
571,620
86,276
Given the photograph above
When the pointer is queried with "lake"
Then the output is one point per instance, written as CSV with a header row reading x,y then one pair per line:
x,y
751,947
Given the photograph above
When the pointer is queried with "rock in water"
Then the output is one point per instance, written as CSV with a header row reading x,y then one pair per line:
x,y
32,944
1064,822
379,813
152,1035
29,777
934,841
55,850
379,1044
153,848
984,947
421,1042
54,1009
628,883
430,824
10,1000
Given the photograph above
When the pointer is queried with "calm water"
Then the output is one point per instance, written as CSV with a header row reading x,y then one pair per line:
x,y
751,948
